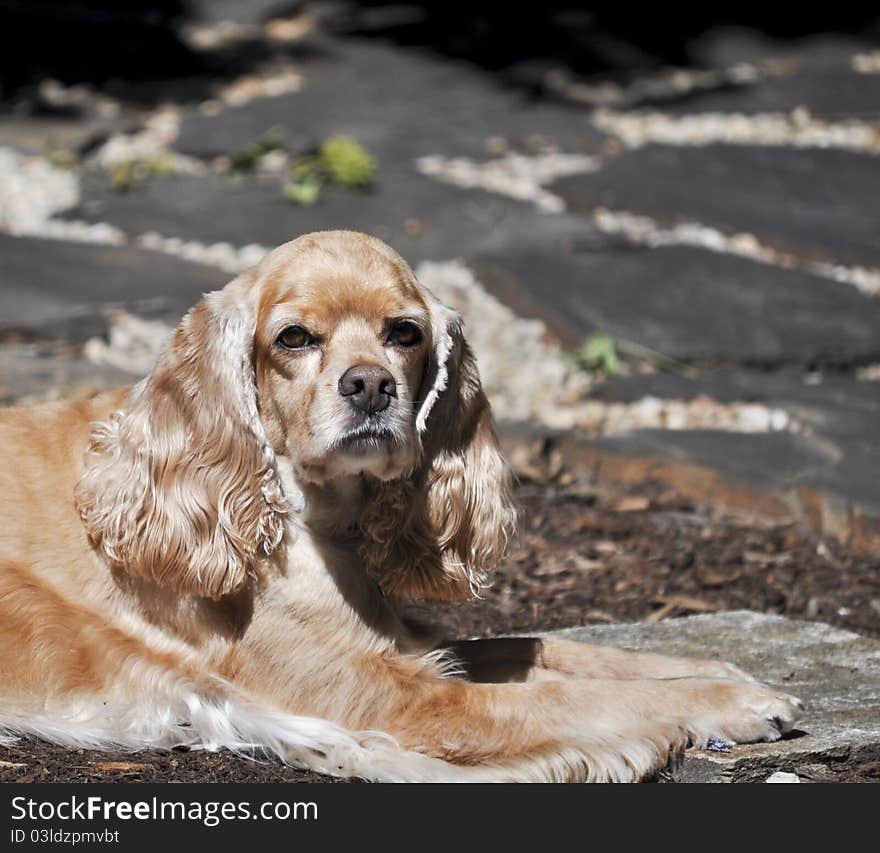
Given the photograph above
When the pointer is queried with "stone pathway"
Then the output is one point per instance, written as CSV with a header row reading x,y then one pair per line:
x,y
718,222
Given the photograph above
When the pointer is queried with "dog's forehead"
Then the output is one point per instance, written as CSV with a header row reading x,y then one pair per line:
x,y
330,280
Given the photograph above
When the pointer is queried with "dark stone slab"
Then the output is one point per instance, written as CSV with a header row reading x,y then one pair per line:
x,y
687,303
766,460
816,203
399,103
836,453
421,217
51,289
777,463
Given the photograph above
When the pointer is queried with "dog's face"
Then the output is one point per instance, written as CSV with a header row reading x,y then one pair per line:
x,y
329,353
341,348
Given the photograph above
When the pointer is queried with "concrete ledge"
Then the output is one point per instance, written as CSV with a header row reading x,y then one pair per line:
x,y
836,672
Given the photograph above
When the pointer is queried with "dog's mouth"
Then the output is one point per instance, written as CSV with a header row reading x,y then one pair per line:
x,y
366,440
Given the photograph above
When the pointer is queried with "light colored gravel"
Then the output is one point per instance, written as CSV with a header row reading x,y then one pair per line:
x,y
134,344
662,85
701,413
152,144
518,176
224,256
32,191
647,231
280,80
781,776
81,97
869,373
77,231
219,35
797,129
867,63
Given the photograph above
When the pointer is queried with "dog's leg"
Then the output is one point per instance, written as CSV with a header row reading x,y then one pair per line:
x,y
522,659
587,729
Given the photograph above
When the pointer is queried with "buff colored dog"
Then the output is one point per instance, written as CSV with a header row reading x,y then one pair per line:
x,y
218,555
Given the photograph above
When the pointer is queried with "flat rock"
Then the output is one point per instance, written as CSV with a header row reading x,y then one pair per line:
x,y
686,303
420,217
58,290
819,204
776,463
399,103
835,672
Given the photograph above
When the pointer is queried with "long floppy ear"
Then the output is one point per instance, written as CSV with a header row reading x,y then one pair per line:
x,y
436,534
181,486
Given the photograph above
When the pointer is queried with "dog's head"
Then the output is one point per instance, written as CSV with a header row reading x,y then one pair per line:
x,y
331,354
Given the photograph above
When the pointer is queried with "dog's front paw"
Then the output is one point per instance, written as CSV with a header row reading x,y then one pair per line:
x,y
746,713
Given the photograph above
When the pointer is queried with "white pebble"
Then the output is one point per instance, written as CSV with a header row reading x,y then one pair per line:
x,y
783,777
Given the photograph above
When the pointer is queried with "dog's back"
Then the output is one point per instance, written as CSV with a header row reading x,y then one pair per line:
x,y
49,578
42,450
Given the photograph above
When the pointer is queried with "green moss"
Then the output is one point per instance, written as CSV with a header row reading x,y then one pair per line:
x,y
347,162
598,354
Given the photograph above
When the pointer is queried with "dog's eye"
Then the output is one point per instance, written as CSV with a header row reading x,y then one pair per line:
x,y
405,334
295,337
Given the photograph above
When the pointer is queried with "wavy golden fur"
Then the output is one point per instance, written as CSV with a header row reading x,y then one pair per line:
x,y
219,555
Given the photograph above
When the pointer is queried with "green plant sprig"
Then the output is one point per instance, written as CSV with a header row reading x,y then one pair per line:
x,y
246,159
600,353
341,160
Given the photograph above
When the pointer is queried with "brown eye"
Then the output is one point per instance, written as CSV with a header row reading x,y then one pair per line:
x,y
405,334
295,337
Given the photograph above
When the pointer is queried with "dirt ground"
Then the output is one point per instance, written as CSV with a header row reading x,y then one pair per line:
x,y
585,554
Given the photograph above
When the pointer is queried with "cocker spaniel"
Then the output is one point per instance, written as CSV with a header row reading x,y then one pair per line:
x,y
218,555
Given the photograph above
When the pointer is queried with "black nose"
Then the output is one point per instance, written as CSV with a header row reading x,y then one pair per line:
x,y
368,387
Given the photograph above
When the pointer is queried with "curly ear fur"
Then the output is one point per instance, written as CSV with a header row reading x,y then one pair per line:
x,y
181,486
435,535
